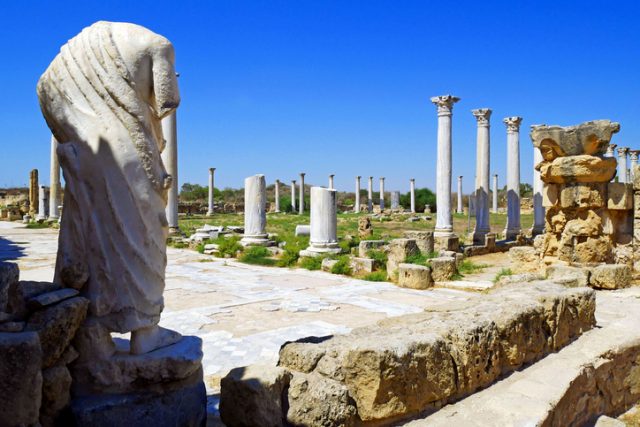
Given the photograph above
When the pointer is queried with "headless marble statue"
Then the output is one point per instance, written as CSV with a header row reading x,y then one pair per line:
x,y
103,97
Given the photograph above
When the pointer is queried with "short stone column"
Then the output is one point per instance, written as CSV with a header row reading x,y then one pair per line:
x,y
170,160
412,194
395,199
538,208
54,191
301,204
356,207
495,193
42,203
513,228
459,208
293,195
482,227
444,219
622,164
382,193
276,190
331,181
210,209
633,156
610,150
33,193
324,223
370,195
255,211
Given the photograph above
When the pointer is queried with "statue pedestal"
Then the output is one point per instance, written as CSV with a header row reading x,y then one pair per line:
x,y
160,388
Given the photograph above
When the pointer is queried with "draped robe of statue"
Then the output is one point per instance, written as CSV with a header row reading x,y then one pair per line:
x,y
103,97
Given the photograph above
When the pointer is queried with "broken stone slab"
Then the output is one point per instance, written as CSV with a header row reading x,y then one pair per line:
x,y
423,238
443,268
362,265
327,264
399,250
446,243
56,394
367,245
418,362
23,291
591,137
584,168
610,276
583,195
619,196
9,277
20,378
253,395
50,298
303,230
56,326
524,259
568,275
414,276
182,406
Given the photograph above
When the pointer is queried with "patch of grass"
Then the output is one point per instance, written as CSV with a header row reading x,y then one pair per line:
x,y
206,260
229,247
342,266
502,273
257,255
469,267
177,245
311,263
421,259
37,225
376,276
379,258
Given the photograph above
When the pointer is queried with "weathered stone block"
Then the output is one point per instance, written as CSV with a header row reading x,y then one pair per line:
x,y
56,326
315,400
446,243
619,196
9,276
23,291
362,265
50,298
443,268
414,276
550,195
524,259
568,276
423,238
582,168
586,138
20,378
636,177
368,245
583,195
399,250
327,264
610,276
56,393
254,395
303,230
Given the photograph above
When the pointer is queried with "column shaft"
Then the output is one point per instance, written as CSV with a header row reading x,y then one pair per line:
x,y
210,209
459,207
495,193
277,195
412,190
381,194
324,223
54,191
538,209
357,201
293,195
482,176
170,160
513,228
370,195
255,211
302,193
622,164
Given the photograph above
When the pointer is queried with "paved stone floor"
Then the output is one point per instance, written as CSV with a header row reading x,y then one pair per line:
x,y
244,313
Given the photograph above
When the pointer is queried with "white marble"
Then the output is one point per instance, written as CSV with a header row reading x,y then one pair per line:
x,y
54,189
381,193
459,208
331,181
622,164
538,209
633,157
42,203
412,194
170,160
301,204
324,223
293,195
356,207
370,195
444,219
483,167
494,206
106,115
211,187
276,195
611,150
395,199
255,211
512,228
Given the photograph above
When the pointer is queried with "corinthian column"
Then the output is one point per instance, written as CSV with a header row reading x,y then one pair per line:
x,y
495,193
412,191
610,150
170,160
255,211
382,193
293,195
210,209
357,204
331,181
277,195
538,209
301,205
482,176
459,207
54,190
633,156
370,195
512,229
622,164
444,220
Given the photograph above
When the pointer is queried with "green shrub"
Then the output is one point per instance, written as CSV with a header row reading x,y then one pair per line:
x,y
311,263
229,246
379,258
502,273
420,258
289,258
36,225
376,276
343,266
256,255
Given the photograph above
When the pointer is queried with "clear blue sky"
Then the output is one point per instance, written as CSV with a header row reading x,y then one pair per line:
x,y
279,87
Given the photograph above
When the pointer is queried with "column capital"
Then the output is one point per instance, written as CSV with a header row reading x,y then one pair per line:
x,y
611,147
370,177
633,154
332,175
412,180
482,116
293,181
302,174
445,104
277,181
212,170
512,123
382,178
460,177
622,151
358,177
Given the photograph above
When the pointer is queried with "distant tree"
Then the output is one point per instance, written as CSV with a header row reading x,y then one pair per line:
x,y
526,190
424,196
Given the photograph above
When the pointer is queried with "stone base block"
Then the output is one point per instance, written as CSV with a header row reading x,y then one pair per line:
x,y
256,241
314,251
185,407
610,276
446,243
414,276
303,230
524,259
368,245
362,265
399,250
568,276
327,264
443,268
423,238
